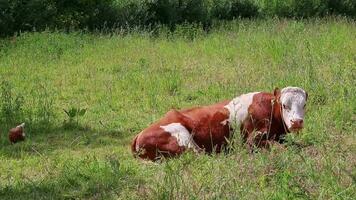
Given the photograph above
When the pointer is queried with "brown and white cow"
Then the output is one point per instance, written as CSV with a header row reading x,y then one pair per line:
x,y
262,117
17,134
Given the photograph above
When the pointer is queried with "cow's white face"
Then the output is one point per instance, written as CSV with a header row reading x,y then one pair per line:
x,y
293,100
22,127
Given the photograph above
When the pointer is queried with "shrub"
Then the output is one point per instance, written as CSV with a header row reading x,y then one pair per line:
x,y
29,15
172,12
244,8
343,7
92,14
230,9
132,14
34,14
6,18
309,8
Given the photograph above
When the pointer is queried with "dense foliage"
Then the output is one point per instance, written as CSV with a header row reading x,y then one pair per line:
x,y
28,15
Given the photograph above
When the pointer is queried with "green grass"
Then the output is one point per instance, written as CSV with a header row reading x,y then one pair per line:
x,y
128,81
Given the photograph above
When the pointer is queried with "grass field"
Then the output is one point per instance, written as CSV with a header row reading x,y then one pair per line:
x,y
125,82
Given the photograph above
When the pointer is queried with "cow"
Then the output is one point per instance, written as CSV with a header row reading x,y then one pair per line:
x,y
17,134
263,119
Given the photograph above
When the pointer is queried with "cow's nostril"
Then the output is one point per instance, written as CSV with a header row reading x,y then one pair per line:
x,y
297,122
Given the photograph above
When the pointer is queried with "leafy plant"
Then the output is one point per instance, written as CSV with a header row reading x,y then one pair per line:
x,y
73,115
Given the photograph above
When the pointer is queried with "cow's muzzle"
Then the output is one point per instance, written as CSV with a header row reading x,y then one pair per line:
x,y
296,125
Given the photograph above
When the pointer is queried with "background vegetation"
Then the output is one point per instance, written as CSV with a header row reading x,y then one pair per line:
x,y
84,97
106,15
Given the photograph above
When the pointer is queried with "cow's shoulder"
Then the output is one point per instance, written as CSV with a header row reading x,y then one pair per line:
x,y
262,105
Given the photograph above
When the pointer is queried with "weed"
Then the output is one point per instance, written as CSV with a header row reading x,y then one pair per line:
x,y
73,115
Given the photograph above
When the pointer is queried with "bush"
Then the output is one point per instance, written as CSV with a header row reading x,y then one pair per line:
x,y
276,7
28,15
342,7
230,9
172,12
34,14
132,14
92,14
307,8
6,18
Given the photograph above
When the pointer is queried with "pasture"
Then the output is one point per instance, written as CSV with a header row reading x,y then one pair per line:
x,y
113,86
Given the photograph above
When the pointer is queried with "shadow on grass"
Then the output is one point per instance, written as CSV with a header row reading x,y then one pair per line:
x,y
87,177
51,138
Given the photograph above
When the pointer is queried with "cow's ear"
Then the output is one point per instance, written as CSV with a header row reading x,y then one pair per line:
x,y
277,92
306,95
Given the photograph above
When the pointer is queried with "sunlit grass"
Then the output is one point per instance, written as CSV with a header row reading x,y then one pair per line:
x,y
128,81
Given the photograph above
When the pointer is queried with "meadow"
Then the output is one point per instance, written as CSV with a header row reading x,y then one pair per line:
x,y
84,96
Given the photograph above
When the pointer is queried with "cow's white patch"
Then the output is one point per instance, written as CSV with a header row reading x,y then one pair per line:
x,y
293,101
22,126
224,122
238,108
137,145
184,138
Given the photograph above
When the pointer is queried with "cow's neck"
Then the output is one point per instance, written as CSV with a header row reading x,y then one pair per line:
x,y
278,121
238,109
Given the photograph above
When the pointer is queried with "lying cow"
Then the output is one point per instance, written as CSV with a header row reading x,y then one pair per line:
x,y
17,134
263,118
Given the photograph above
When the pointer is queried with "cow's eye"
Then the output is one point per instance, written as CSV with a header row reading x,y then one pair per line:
x,y
285,107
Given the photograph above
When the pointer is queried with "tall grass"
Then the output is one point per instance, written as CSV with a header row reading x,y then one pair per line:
x,y
127,81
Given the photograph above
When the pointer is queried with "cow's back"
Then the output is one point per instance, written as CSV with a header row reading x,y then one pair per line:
x,y
211,127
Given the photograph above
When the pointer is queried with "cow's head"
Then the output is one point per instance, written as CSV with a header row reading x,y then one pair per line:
x,y
22,128
293,101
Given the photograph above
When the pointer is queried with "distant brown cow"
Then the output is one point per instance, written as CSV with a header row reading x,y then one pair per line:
x,y
262,117
17,134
